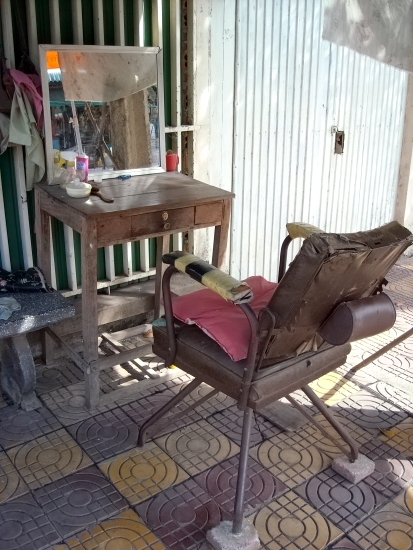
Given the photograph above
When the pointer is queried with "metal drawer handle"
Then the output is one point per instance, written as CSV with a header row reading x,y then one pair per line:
x,y
167,226
165,216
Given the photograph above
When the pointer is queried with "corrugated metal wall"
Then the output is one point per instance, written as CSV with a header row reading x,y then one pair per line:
x,y
291,87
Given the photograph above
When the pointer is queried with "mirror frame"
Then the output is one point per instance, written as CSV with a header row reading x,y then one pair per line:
x,y
107,174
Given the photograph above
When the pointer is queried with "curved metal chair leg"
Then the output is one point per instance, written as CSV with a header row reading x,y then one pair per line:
x,y
165,409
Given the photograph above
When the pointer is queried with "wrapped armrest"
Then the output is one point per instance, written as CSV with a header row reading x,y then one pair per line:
x,y
213,278
302,230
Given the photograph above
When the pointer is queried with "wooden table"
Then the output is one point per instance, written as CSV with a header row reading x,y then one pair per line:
x,y
154,205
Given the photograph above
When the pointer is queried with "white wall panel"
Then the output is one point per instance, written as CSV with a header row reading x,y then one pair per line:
x,y
290,88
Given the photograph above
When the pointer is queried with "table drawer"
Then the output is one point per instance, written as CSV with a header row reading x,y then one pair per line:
x,y
208,213
113,230
163,221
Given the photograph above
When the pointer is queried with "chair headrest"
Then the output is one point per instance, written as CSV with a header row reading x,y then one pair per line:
x,y
328,270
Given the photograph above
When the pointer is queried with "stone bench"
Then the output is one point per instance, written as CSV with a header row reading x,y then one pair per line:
x,y
18,371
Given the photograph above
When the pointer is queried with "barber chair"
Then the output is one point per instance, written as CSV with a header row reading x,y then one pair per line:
x,y
330,295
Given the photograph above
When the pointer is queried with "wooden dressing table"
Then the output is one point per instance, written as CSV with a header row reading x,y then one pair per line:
x,y
154,205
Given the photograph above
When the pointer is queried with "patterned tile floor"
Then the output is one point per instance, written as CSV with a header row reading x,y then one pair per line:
x,y
74,480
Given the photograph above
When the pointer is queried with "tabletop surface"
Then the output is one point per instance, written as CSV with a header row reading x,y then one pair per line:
x,y
141,193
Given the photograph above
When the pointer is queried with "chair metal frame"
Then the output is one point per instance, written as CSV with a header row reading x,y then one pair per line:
x,y
261,331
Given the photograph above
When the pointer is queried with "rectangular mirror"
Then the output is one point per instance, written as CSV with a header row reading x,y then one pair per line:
x,y
117,94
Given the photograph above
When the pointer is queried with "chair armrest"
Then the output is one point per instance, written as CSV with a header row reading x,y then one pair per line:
x,y
213,278
302,230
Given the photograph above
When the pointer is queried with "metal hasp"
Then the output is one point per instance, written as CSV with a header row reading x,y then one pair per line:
x,y
18,371
339,142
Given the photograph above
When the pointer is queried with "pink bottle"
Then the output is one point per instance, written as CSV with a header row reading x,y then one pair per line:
x,y
82,167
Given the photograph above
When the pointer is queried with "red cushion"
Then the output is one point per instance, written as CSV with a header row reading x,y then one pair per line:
x,y
223,321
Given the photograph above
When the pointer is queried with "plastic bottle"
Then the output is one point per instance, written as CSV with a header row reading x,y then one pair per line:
x,y
70,167
82,166
69,174
57,170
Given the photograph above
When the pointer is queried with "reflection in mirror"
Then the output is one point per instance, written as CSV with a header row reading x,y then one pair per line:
x,y
114,95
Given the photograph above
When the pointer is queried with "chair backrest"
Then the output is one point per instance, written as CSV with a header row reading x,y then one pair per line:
x,y
328,270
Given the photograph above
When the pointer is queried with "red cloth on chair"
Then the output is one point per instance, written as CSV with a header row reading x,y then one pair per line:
x,y
223,321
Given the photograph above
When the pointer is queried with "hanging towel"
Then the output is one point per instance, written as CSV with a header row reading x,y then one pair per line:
x,y
32,87
23,131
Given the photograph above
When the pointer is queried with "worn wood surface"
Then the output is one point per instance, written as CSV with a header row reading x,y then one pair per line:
x,y
140,194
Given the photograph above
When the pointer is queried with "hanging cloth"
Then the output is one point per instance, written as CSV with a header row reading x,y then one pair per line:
x,y
31,85
23,131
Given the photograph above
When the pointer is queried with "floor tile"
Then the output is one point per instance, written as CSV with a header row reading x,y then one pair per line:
x,y
230,423
67,404
314,437
219,402
220,482
393,368
18,426
182,515
197,447
388,529
48,458
11,483
345,544
289,457
289,523
405,500
143,472
63,373
145,407
343,503
106,435
125,531
394,395
400,437
369,411
333,387
25,526
79,501
361,377
393,472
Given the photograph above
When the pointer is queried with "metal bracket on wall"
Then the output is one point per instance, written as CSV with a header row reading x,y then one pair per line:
x,y
338,140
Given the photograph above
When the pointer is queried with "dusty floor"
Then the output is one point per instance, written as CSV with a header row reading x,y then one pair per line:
x,y
70,479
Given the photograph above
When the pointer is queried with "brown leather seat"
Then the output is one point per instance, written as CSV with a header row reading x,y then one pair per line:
x,y
287,350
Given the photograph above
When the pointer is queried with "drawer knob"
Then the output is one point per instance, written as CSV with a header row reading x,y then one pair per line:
x,y
167,226
165,215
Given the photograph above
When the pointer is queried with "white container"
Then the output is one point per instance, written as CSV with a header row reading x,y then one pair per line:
x,y
79,192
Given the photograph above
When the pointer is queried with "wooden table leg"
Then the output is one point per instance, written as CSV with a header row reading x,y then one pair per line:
x,y
44,261
89,310
221,235
162,247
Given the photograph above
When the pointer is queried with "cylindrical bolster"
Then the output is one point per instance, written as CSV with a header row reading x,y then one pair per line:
x,y
302,230
211,277
352,321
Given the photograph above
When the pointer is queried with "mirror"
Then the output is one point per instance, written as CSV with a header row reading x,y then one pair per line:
x,y
110,98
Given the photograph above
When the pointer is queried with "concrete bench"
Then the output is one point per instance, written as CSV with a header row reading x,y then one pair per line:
x,y
18,372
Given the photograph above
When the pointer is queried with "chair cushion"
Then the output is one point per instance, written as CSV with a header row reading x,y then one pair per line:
x,y
201,357
223,321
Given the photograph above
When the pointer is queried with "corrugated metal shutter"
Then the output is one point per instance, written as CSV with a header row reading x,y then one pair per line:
x,y
291,87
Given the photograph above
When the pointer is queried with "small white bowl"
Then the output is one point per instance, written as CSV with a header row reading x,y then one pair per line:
x,y
79,192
